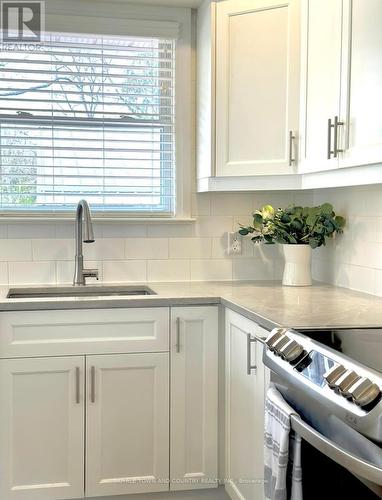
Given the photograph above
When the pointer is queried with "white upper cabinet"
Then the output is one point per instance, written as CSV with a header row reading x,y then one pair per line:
x,y
257,86
361,105
321,83
341,82
293,96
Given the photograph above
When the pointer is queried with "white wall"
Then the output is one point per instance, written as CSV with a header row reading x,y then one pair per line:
x,y
354,260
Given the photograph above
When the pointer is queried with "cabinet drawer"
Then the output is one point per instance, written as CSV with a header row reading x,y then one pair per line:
x,y
83,331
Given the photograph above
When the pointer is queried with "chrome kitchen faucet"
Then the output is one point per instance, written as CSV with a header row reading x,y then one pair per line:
x,y
83,234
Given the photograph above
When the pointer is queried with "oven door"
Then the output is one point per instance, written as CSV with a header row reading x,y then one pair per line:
x,y
327,461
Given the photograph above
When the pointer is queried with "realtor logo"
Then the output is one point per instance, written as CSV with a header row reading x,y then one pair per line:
x,y
22,21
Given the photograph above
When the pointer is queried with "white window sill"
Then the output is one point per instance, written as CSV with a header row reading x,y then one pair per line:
x,y
96,218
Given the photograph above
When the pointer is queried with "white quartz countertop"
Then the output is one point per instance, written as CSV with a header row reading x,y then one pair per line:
x,y
268,303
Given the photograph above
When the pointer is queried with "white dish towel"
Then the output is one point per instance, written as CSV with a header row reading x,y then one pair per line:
x,y
282,451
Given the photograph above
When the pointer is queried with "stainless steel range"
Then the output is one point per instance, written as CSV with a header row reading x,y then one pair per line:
x,y
335,385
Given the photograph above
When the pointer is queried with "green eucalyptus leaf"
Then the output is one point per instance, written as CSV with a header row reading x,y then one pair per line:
x,y
313,243
340,221
326,208
285,218
297,224
311,220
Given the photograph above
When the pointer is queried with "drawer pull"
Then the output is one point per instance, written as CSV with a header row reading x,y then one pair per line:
x,y
250,366
337,124
177,345
78,386
292,137
330,126
92,384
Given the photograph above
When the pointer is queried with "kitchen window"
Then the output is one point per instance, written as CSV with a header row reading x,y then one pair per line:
x,y
86,116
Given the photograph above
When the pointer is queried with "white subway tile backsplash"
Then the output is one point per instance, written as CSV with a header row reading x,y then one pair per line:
x,y
253,269
242,220
367,226
53,249
3,273
121,230
173,230
219,247
211,269
31,230
146,248
27,273
105,249
354,259
201,204
360,279
379,230
190,248
125,251
210,227
65,230
238,203
125,271
378,283
168,270
372,199
15,250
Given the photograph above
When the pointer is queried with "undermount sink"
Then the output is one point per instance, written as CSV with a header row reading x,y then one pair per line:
x,y
78,291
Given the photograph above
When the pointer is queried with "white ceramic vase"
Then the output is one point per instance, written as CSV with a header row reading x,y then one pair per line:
x,y
298,263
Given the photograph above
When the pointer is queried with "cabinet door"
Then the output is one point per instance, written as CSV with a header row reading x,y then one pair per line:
x,y
42,428
257,86
321,82
127,435
361,108
245,390
194,397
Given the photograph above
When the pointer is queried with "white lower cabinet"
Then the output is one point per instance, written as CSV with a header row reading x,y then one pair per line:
x,y
42,428
245,392
194,397
127,431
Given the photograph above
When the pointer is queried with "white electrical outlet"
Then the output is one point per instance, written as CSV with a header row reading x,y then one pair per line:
x,y
234,244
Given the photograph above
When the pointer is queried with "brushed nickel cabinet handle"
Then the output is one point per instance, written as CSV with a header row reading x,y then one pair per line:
x,y
177,345
291,139
337,123
250,366
92,384
77,385
330,126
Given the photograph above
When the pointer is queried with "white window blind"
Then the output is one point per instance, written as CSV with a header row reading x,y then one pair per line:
x,y
88,117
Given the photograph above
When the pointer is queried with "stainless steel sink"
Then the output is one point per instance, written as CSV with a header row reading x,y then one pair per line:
x,y
78,291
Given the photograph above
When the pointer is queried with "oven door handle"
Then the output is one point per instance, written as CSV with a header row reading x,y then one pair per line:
x,y
354,464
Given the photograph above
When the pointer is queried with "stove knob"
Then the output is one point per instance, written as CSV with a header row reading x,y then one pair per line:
x,y
291,351
274,337
364,392
333,375
280,344
346,382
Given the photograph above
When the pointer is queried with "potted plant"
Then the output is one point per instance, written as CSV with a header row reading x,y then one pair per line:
x,y
298,230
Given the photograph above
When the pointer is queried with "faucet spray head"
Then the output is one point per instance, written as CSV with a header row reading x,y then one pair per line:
x,y
88,234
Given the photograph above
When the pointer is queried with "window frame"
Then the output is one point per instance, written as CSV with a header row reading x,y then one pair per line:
x,y
120,19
